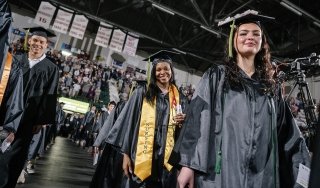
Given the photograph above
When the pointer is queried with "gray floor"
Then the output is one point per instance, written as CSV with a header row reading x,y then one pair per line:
x,y
65,165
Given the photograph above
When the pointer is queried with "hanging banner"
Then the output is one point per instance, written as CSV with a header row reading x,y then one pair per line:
x,y
131,44
78,27
62,21
117,40
103,35
44,14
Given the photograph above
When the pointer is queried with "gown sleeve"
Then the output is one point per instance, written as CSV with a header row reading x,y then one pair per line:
x,y
195,139
12,105
5,31
291,146
127,123
104,129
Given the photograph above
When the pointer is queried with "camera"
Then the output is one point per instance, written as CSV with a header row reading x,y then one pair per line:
x,y
309,65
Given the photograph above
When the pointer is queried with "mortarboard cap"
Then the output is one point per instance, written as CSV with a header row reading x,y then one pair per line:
x,y
40,31
163,55
249,16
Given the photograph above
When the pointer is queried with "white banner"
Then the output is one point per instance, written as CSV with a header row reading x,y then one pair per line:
x,y
131,45
103,35
62,21
78,27
44,14
117,40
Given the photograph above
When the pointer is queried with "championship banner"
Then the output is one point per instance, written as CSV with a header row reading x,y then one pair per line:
x,y
78,27
103,35
117,40
44,14
131,44
62,21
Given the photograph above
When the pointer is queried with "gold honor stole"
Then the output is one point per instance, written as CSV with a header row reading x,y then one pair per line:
x,y
5,76
143,162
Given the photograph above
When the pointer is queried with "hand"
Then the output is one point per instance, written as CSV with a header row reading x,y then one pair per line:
x,y
186,178
179,118
96,149
126,165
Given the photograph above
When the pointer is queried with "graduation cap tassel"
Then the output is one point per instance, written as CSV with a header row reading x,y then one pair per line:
x,y
25,44
132,87
217,168
148,72
230,54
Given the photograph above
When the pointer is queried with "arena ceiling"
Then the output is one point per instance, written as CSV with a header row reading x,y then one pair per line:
x,y
190,26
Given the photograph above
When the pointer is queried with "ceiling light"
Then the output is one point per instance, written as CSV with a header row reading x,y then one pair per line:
x,y
180,51
316,23
162,9
291,8
210,30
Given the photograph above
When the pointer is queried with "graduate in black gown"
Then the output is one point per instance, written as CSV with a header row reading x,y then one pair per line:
x,y
315,166
145,130
40,81
108,172
239,132
11,92
105,114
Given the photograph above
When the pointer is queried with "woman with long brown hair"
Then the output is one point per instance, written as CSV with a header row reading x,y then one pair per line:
x,y
239,132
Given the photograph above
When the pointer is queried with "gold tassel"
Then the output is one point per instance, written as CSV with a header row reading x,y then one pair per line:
x,y
25,44
148,72
230,54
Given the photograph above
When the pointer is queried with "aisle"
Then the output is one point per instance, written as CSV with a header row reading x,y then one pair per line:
x,y
65,165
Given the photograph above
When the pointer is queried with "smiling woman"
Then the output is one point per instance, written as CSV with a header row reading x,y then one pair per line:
x,y
146,136
234,135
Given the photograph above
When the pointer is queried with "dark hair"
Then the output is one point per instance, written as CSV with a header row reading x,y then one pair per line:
x,y
112,103
263,66
153,89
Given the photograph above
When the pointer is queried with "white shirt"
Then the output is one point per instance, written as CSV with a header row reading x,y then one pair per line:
x,y
33,62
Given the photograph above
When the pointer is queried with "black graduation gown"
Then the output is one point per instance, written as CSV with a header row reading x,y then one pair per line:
x,y
242,125
86,132
124,134
12,105
5,24
10,115
59,119
315,165
40,91
109,173
39,95
103,117
88,120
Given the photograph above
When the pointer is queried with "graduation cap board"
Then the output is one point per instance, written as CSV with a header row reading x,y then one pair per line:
x,y
249,16
165,55
40,31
